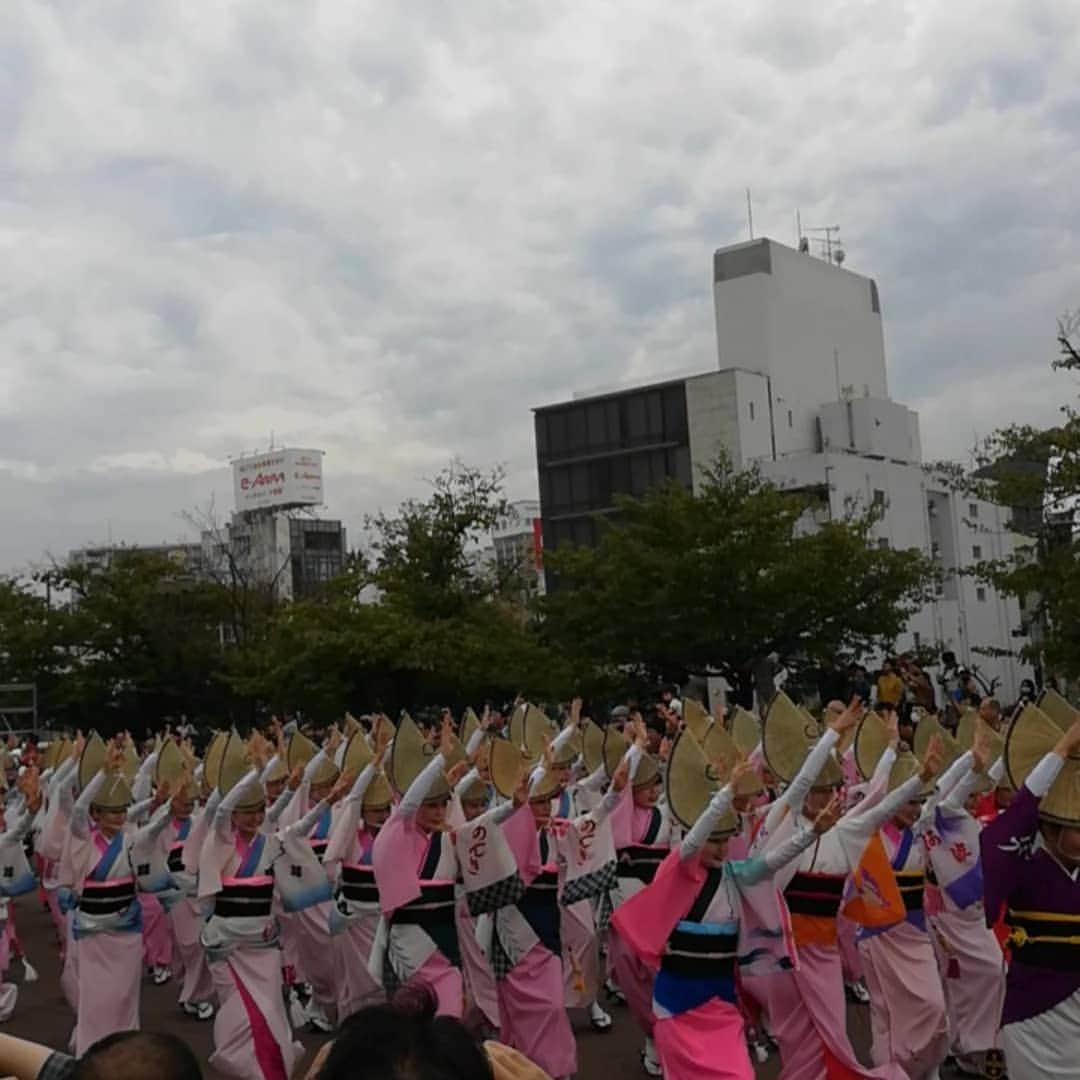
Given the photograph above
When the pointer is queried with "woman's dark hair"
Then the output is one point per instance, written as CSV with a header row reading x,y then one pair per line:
x,y
404,1040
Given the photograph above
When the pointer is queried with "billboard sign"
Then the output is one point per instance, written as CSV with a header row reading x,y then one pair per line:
x,y
278,478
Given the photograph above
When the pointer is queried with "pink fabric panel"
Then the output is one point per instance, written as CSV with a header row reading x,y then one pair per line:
x,y
251,1015
108,985
907,1003
189,956
534,1021
706,1043
156,933
445,980
973,974
634,979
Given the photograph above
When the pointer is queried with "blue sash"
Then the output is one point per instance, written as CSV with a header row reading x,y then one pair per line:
x,y
431,859
903,849
108,858
322,826
185,828
251,861
564,805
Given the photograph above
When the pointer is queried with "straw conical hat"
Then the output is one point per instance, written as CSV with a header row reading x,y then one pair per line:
x,y
505,764
745,730
966,728
592,745
516,730
470,723
720,745
928,727
410,755
570,750
1032,736
235,765
355,757
904,768
115,793
351,726
212,759
1057,708
615,746
300,751
811,720
787,736
170,764
130,767
691,783
871,740
538,729
695,718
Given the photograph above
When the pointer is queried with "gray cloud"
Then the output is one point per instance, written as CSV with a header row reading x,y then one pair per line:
x,y
390,230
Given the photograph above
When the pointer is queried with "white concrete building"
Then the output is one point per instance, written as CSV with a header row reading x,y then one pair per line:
x,y
801,391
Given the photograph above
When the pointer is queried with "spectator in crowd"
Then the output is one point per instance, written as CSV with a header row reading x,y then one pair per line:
x,y
890,687
859,682
833,682
990,711
1027,694
124,1055
917,682
405,1040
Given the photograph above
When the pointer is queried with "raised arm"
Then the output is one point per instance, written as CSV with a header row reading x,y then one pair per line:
x,y
80,814
223,813
140,789
419,788
155,826
697,837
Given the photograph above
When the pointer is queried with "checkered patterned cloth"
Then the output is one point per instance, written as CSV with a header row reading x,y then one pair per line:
x,y
497,895
590,885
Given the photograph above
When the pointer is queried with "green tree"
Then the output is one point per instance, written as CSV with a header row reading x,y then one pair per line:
x,y
707,583
1036,473
424,621
136,641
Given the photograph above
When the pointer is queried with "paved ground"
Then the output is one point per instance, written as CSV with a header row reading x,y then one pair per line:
x,y
43,1014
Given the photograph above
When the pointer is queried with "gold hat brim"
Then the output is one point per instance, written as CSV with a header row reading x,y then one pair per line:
x,y
235,765
615,746
470,724
170,764
357,755
966,728
92,759
505,762
720,745
300,752
786,737
379,794
592,745
212,761
411,754
871,740
927,728
696,719
1057,708
904,768
691,783
539,730
745,730
1032,736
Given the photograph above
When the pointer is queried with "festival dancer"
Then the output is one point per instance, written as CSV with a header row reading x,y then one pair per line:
x,y
703,916
98,870
1031,864
970,959
174,769
558,864
240,870
908,1018
16,876
354,918
642,831
416,868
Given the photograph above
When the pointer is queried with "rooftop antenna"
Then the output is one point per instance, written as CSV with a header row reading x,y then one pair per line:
x,y
750,213
830,247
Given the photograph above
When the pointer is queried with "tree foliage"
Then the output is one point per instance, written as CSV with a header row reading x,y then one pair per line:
x,y
709,582
1036,473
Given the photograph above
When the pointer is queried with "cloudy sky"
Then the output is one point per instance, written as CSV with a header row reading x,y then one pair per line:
x,y
388,229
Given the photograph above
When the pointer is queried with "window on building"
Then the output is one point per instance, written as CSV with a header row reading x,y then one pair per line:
x,y
980,594
790,419
973,510
976,551
751,410
883,543
879,497
916,638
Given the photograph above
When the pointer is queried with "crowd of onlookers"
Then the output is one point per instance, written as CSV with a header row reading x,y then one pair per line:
x,y
401,1040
